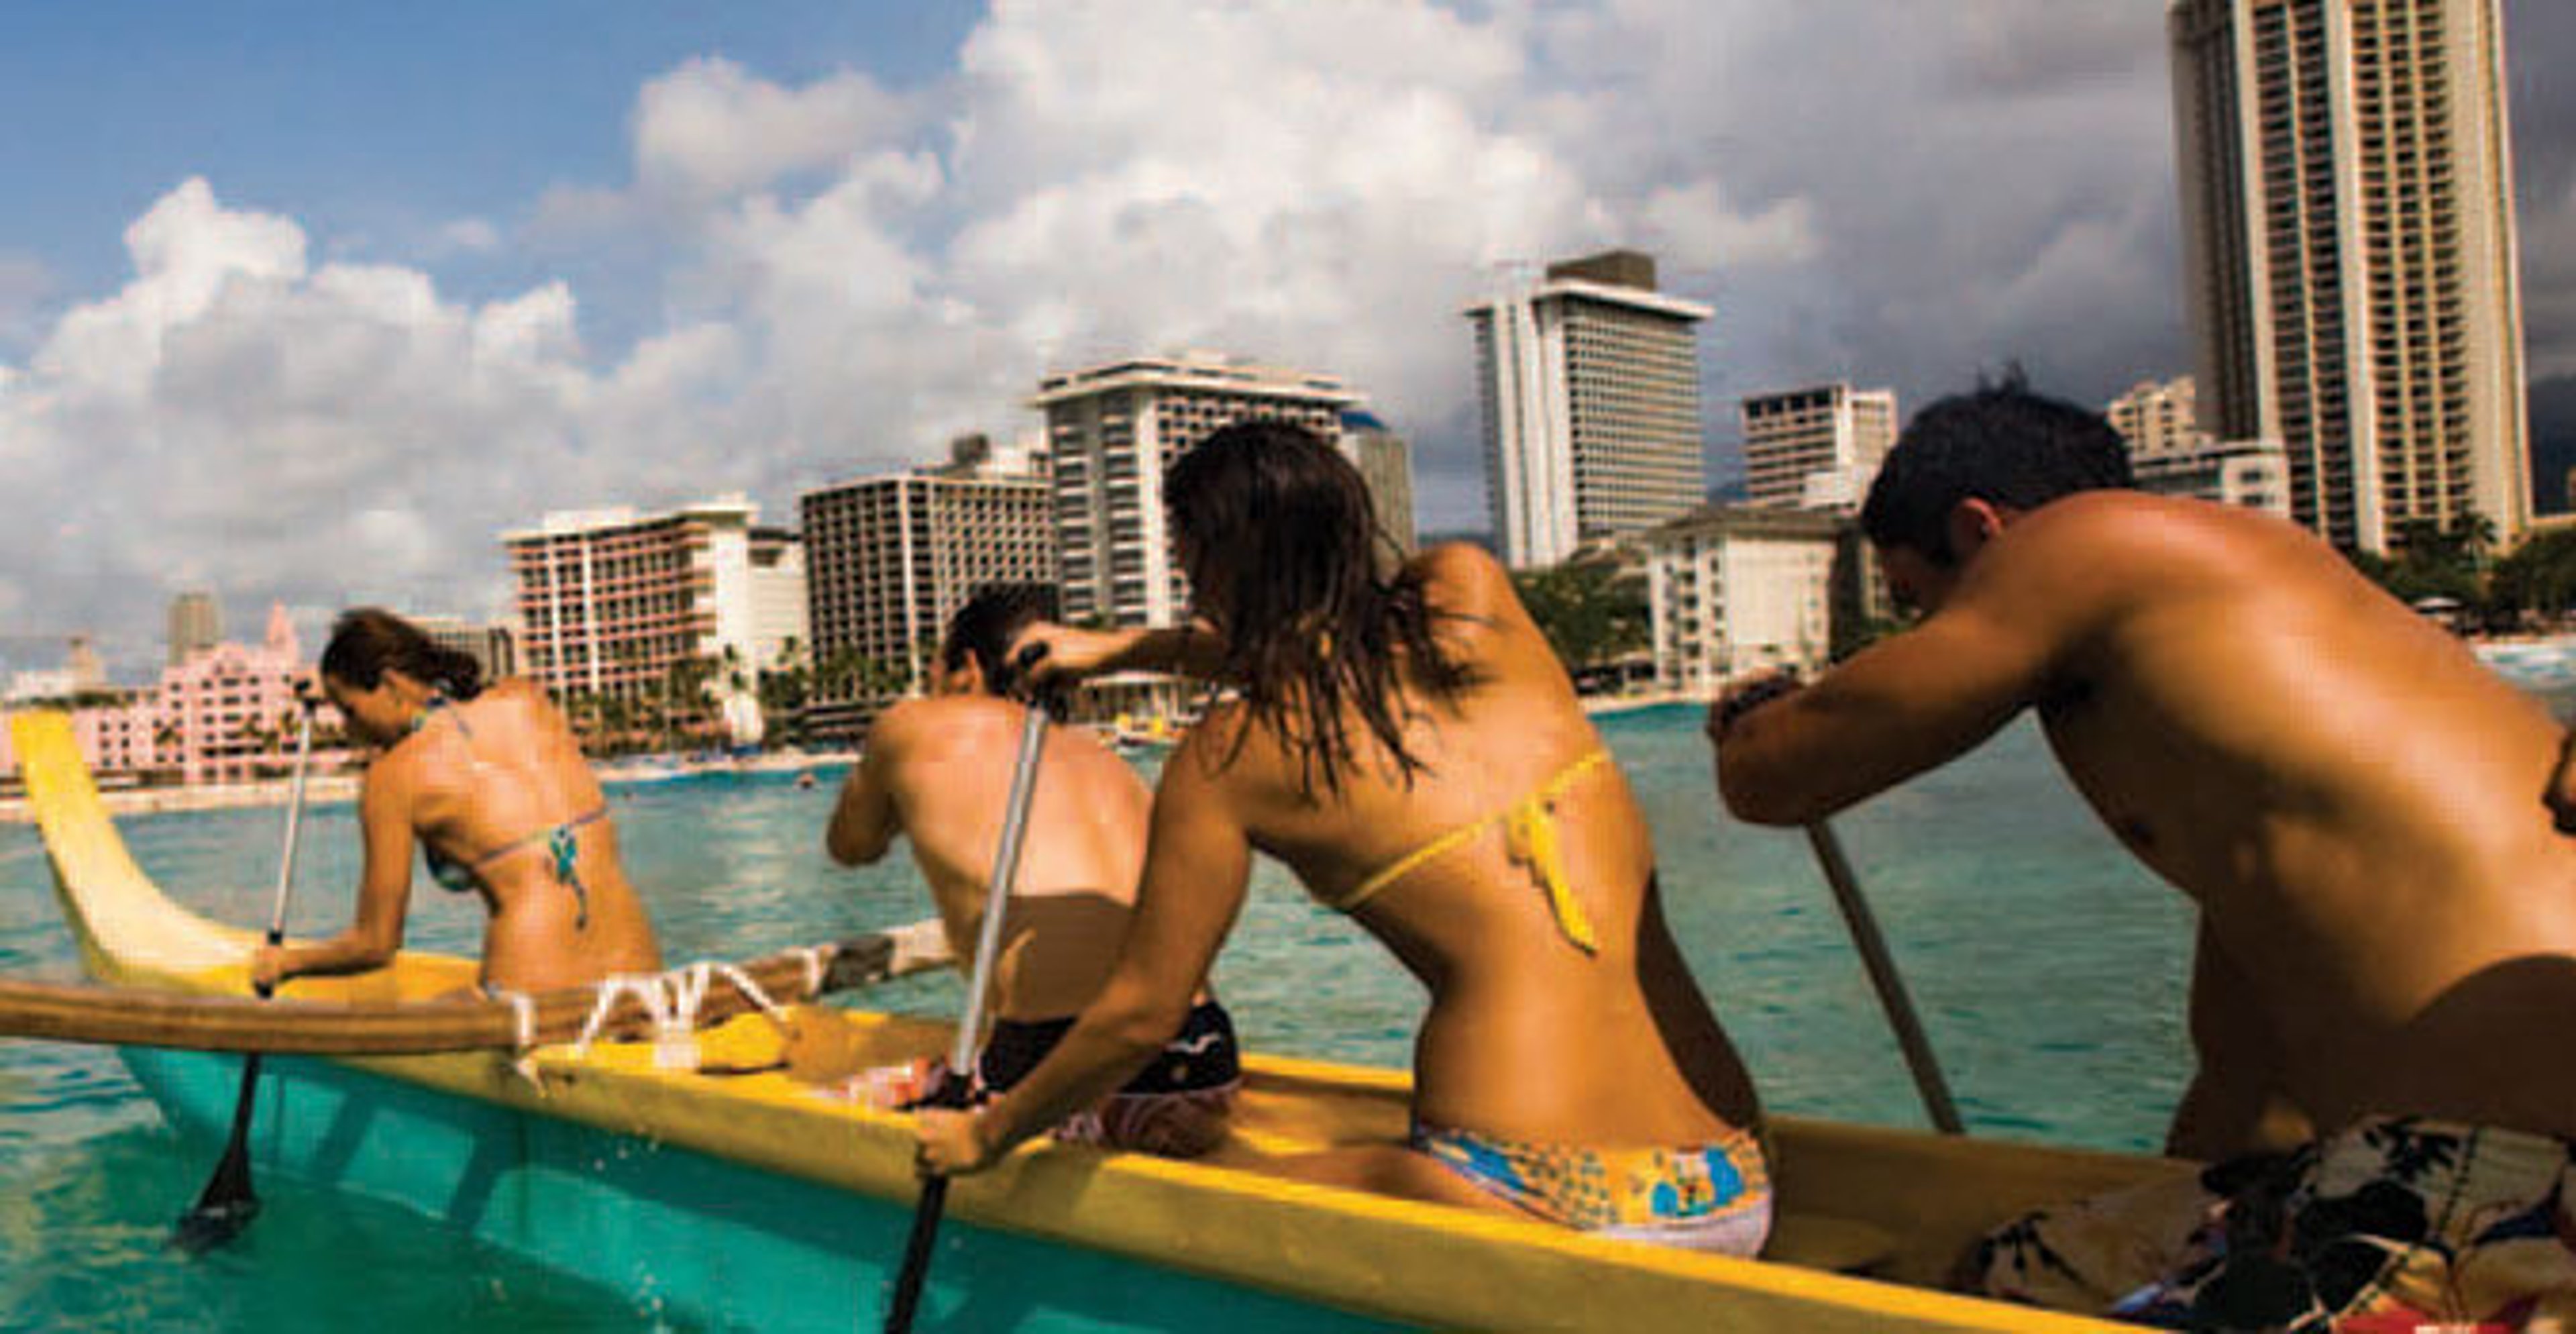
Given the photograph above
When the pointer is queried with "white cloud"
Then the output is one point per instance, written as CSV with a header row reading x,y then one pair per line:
x,y
1693,226
708,130
230,417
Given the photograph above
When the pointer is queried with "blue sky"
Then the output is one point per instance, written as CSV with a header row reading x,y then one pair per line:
x,y
375,124
308,301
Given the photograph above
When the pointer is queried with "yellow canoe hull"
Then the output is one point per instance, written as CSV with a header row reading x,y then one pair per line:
x,y
1893,1205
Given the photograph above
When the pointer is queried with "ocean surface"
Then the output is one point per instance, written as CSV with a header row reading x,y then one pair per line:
x,y
2048,967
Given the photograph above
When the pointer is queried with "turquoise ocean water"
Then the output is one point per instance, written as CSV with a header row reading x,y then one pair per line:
x,y
2048,967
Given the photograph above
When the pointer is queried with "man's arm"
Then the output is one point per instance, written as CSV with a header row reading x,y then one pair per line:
x,y
1900,707
865,819
1068,652
2234,1105
1930,694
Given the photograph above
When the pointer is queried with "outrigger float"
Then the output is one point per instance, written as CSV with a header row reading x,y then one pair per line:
x,y
754,1200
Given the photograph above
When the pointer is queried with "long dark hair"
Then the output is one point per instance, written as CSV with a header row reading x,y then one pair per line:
x,y
367,640
1286,554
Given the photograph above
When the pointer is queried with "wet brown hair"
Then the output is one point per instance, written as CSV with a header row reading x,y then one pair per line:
x,y
1286,554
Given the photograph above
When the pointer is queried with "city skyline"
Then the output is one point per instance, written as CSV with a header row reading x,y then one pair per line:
x,y
311,310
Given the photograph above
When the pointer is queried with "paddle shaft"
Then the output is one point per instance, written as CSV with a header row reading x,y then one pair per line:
x,y
988,940
1883,976
228,1202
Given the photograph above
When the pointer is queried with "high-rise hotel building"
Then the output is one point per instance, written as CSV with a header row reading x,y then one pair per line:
x,y
890,559
610,600
2347,192
1816,448
196,624
1589,381
1113,428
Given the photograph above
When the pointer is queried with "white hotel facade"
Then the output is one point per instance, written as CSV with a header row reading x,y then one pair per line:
x,y
1589,385
891,558
1112,429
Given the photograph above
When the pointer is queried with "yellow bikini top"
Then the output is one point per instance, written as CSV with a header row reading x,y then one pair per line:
x,y
1529,829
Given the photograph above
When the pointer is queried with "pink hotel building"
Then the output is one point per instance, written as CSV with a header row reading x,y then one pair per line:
x,y
224,715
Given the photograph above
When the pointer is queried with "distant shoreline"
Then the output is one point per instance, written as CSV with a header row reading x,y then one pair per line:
x,y
333,788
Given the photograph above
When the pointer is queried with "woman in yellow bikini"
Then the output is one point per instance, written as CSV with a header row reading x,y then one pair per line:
x,y
1411,748
492,785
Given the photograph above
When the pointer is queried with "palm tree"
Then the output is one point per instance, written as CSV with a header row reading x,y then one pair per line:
x,y
783,689
684,692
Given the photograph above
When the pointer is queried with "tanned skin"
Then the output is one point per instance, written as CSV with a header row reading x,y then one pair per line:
x,y
938,772
1527,1036
512,768
2388,918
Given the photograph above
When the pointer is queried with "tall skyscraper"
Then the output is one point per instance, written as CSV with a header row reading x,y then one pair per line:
x,y
890,559
1589,380
196,625
611,600
1112,429
1817,448
2347,191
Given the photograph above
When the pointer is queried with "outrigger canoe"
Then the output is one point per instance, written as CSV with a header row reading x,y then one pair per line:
x,y
755,1200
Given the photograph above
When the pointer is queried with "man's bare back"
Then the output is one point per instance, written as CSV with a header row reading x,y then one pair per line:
x,y
2389,920
938,771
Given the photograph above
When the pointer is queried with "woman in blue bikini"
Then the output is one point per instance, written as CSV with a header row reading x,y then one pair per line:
x,y
1405,741
492,785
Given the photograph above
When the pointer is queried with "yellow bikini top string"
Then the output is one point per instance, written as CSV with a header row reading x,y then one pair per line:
x,y
1529,838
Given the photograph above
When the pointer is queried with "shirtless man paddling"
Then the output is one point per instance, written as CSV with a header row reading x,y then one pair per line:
x,y
2387,951
938,771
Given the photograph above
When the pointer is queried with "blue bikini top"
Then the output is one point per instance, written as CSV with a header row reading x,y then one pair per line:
x,y
563,843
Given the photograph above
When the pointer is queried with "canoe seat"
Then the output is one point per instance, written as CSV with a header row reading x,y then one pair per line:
x,y
1821,1241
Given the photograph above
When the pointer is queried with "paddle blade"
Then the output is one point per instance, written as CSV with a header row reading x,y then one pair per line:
x,y
228,1203
226,1207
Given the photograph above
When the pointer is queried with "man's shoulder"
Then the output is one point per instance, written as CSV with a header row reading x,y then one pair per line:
x,y
912,723
2165,531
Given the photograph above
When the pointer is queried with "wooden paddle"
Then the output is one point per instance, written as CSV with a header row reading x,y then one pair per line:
x,y
228,1203
961,1057
1863,925
1890,984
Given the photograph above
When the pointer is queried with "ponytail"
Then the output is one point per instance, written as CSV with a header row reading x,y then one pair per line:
x,y
366,641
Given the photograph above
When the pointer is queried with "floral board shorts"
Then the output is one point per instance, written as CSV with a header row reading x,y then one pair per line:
x,y
2395,1224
